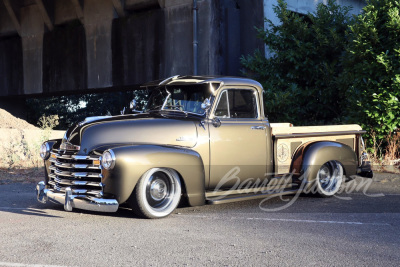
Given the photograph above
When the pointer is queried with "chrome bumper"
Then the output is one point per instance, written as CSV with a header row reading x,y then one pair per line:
x,y
75,201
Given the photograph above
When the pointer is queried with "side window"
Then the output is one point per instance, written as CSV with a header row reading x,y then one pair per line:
x,y
237,103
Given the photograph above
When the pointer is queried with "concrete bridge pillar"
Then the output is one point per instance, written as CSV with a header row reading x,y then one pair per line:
x,y
98,16
32,31
178,37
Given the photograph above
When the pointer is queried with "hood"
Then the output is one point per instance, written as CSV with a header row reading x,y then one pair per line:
x,y
131,129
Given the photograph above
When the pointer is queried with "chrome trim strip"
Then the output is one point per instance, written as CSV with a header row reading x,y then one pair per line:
x,y
235,198
257,127
80,192
75,166
293,135
79,166
76,157
77,174
61,181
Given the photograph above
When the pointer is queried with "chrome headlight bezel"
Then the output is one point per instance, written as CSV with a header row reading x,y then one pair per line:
x,y
107,160
45,151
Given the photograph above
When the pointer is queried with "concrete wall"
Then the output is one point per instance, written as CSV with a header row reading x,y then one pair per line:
x,y
32,31
11,70
137,48
64,58
98,23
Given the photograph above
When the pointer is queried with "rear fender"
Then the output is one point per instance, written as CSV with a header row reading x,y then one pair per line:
x,y
131,162
309,158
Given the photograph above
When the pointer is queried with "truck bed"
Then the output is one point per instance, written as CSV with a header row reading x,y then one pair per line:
x,y
287,139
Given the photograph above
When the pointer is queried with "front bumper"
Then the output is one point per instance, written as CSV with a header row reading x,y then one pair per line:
x,y
75,201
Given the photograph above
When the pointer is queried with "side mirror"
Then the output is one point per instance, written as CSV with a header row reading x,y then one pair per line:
x,y
216,122
206,104
132,105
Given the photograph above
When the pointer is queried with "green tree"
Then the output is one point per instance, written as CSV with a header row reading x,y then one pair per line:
x,y
372,68
300,75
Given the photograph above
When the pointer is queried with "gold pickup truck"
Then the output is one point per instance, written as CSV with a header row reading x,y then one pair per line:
x,y
203,139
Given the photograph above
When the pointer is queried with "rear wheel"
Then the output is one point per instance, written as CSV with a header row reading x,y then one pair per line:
x,y
329,178
157,193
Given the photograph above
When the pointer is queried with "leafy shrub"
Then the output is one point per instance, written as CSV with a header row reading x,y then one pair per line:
x,y
301,72
372,69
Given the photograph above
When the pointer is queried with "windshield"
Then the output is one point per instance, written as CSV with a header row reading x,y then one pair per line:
x,y
185,98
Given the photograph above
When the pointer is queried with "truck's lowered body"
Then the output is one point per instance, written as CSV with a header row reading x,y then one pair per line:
x,y
200,137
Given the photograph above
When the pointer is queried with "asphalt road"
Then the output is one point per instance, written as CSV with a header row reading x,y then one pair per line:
x,y
357,229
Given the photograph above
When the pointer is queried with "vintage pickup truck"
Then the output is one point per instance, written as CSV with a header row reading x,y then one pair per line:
x,y
202,139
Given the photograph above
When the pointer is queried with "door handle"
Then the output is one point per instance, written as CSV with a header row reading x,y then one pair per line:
x,y
258,127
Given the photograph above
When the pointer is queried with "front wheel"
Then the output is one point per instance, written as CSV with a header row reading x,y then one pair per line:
x,y
157,193
329,178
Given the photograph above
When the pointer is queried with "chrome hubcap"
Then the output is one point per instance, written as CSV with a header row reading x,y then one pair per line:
x,y
330,176
158,190
324,175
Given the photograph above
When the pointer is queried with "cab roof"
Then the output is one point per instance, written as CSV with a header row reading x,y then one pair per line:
x,y
222,80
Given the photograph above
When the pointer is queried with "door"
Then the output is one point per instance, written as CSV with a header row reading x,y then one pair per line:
x,y
238,144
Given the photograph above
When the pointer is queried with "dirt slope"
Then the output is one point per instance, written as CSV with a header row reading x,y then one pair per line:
x,y
8,121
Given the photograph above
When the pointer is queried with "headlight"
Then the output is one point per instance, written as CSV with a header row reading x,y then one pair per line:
x,y
108,159
45,151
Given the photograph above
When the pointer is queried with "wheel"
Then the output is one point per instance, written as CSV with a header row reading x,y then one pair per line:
x,y
329,178
157,193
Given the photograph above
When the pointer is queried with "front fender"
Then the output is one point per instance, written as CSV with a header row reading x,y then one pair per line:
x,y
131,162
309,158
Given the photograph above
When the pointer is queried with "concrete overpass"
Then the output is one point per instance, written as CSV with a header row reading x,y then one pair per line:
x,y
52,47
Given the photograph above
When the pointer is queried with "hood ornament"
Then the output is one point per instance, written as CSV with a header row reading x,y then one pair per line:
x,y
92,119
68,146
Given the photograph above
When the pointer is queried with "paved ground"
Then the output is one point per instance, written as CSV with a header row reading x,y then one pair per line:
x,y
356,229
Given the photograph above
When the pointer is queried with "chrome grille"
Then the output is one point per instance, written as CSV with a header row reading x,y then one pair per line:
x,y
81,173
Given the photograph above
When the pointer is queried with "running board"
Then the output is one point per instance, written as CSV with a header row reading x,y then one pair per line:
x,y
221,199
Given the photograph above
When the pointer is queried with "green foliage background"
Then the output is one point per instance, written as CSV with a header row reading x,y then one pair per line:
x,y
329,67
300,76
372,68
